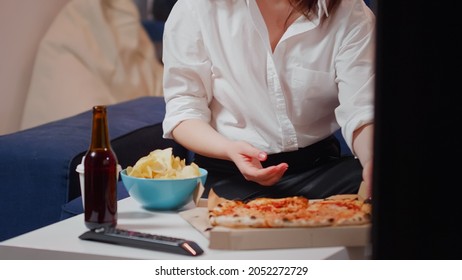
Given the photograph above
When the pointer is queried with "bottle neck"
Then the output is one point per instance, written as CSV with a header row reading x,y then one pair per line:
x,y
100,133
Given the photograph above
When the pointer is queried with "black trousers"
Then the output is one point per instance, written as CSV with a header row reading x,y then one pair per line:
x,y
316,171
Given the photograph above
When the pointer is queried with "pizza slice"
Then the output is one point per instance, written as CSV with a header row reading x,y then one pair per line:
x,y
344,211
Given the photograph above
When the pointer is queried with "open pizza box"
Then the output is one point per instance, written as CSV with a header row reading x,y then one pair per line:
x,y
274,238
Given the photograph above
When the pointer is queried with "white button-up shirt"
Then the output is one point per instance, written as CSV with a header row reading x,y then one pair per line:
x,y
219,67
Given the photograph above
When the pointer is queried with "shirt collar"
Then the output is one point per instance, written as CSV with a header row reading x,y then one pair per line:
x,y
322,8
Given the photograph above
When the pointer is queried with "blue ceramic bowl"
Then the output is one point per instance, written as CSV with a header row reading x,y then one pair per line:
x,y
162,194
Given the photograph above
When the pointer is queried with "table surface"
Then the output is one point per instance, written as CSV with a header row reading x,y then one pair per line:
x,y
60,241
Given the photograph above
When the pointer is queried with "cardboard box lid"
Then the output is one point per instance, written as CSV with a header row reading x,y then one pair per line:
x,y
276,238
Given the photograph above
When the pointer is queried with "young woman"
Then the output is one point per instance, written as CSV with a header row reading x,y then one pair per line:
x,y
256,89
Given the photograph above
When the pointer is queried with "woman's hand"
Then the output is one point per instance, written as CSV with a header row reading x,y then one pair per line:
x,y
362,143
248,160
367,178
200,137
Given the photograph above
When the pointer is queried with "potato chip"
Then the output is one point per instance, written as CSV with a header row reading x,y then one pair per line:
x,y
162,164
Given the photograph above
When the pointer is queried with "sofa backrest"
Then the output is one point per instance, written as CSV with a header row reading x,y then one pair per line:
x,y
22,25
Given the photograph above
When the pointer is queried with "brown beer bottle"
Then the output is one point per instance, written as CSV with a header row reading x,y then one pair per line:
x,y
100,203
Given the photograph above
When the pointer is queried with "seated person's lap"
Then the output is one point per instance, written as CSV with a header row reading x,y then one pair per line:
x,y
317,171
340,176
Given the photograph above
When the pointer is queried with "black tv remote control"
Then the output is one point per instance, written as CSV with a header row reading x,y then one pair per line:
x,y
143,240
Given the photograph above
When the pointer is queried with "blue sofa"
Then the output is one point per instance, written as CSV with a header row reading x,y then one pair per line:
x,y
38,181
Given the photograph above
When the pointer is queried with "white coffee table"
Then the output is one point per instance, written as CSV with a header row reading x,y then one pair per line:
x,y
60,241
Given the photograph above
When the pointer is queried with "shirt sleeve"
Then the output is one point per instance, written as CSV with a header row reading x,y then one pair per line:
x,y
355,72
187,68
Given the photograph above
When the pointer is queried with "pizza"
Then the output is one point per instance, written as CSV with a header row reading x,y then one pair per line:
x,y
295,211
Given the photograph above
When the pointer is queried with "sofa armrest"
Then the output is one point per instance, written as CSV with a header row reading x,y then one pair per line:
x,y
37,165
